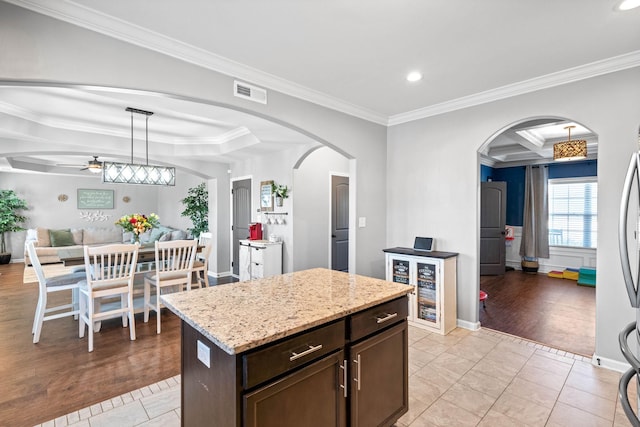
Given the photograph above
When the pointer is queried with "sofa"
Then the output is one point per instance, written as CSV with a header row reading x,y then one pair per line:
x,y
49,241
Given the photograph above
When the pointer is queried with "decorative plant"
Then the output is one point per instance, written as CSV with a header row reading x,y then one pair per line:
x,y
280,190
10,218
197,209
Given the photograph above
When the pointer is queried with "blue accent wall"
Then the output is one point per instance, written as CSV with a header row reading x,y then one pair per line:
x,y
486,172
514,177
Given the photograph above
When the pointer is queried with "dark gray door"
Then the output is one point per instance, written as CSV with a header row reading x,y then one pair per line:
x,y
493,211
340,223
241,196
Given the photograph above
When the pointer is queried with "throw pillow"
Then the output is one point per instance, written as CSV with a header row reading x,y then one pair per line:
x,y
61,238
157,233
178,235
43,236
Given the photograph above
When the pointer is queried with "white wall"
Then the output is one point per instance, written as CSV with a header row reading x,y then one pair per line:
x,y
559,257
41,49
278,168
434,171
312,226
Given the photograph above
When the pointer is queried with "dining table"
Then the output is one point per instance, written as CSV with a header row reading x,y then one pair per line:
x,y
75,256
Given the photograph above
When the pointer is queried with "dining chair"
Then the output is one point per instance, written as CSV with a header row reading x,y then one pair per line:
x,y
109,273
47,285
201,263
174,265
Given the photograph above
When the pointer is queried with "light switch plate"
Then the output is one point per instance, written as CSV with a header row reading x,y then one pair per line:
x,y
204,354
362,221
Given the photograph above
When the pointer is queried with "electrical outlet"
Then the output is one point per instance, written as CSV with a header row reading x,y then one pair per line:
x,y
362,221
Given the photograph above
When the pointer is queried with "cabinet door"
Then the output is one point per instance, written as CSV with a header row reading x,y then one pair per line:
x,y
245,263
279,404
428,288
379,371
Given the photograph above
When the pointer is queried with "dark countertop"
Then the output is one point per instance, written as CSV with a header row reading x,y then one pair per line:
x,y
413,252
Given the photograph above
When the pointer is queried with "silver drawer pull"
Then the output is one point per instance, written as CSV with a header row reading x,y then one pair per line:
x,y
385,318
311,349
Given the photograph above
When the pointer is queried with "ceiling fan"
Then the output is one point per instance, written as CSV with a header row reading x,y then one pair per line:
x,y
93,166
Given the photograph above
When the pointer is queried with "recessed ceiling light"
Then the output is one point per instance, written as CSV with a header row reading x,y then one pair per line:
x,y
414,76
627,4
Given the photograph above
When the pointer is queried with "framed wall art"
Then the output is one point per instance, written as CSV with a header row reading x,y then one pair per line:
x,y
266,196
95,199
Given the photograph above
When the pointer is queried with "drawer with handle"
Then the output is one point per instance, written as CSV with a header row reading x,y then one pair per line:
x,y
276,359
373,319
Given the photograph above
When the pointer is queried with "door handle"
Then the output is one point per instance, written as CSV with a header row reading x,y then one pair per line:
x,y
357,378
632,287
624,346
333,236
345,377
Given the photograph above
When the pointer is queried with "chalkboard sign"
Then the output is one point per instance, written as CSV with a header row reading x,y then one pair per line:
x,y
400,271
95,199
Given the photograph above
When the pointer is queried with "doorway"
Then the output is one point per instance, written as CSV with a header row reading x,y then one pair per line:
x,y
493,211
240,218
533,306
339,223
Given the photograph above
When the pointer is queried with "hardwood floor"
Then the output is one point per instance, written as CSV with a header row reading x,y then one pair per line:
x,y
554,312
40,382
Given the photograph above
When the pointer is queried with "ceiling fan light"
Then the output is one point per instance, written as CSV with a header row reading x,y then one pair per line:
x,y
95,168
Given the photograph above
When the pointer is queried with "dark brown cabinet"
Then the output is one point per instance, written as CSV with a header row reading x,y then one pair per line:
x,y
311,397
349,372
379,366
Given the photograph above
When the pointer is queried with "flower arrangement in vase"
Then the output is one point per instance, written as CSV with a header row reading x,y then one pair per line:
x,y
138,223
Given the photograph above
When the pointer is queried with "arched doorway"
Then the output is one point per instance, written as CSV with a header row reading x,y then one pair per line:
x,y
553,311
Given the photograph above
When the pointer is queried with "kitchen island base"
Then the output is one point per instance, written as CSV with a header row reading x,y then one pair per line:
x,y
349,372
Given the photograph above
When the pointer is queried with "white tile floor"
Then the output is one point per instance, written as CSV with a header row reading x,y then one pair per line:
x,y
480,378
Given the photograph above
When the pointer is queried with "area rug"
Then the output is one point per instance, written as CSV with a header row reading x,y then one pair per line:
x,y
49,270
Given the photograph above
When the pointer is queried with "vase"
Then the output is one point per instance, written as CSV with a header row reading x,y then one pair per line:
x,y
279,201
135,238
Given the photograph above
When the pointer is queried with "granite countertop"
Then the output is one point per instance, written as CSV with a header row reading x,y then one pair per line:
x,y
243,315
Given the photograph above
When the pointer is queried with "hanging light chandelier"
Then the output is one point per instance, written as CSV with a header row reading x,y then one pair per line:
x,y
570,150
131,173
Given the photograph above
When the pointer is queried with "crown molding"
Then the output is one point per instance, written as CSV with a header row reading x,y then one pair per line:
x,y
586,71
77,14
90,19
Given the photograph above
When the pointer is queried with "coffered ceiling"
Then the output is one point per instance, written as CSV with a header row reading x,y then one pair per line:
x,y
352,56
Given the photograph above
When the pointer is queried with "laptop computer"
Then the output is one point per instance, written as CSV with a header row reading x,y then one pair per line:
x,y
423,244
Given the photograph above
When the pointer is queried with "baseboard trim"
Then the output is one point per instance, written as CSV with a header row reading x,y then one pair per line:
x,y
219,275
605,362
472,326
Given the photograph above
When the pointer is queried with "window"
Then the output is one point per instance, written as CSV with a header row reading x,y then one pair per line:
x,y
573,212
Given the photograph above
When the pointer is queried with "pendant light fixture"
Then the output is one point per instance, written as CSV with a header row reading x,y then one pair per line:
x,y
570,150
131,173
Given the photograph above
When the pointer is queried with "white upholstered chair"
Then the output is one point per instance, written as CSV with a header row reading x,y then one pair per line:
x,y
174,265
48,285
201,263
109,272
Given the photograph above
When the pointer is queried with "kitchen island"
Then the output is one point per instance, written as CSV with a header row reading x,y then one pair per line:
x,y
311,348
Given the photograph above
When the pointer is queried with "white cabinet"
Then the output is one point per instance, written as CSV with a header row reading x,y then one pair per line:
x,y
259,259
432,305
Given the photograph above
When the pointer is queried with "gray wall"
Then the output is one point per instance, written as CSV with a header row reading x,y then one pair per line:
x,y
40,48
433,182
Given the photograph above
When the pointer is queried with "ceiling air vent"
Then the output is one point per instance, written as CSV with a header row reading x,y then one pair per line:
x,y
250,92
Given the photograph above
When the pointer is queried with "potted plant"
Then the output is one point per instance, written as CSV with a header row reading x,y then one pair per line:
x,y
10,219
197,209
280,192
